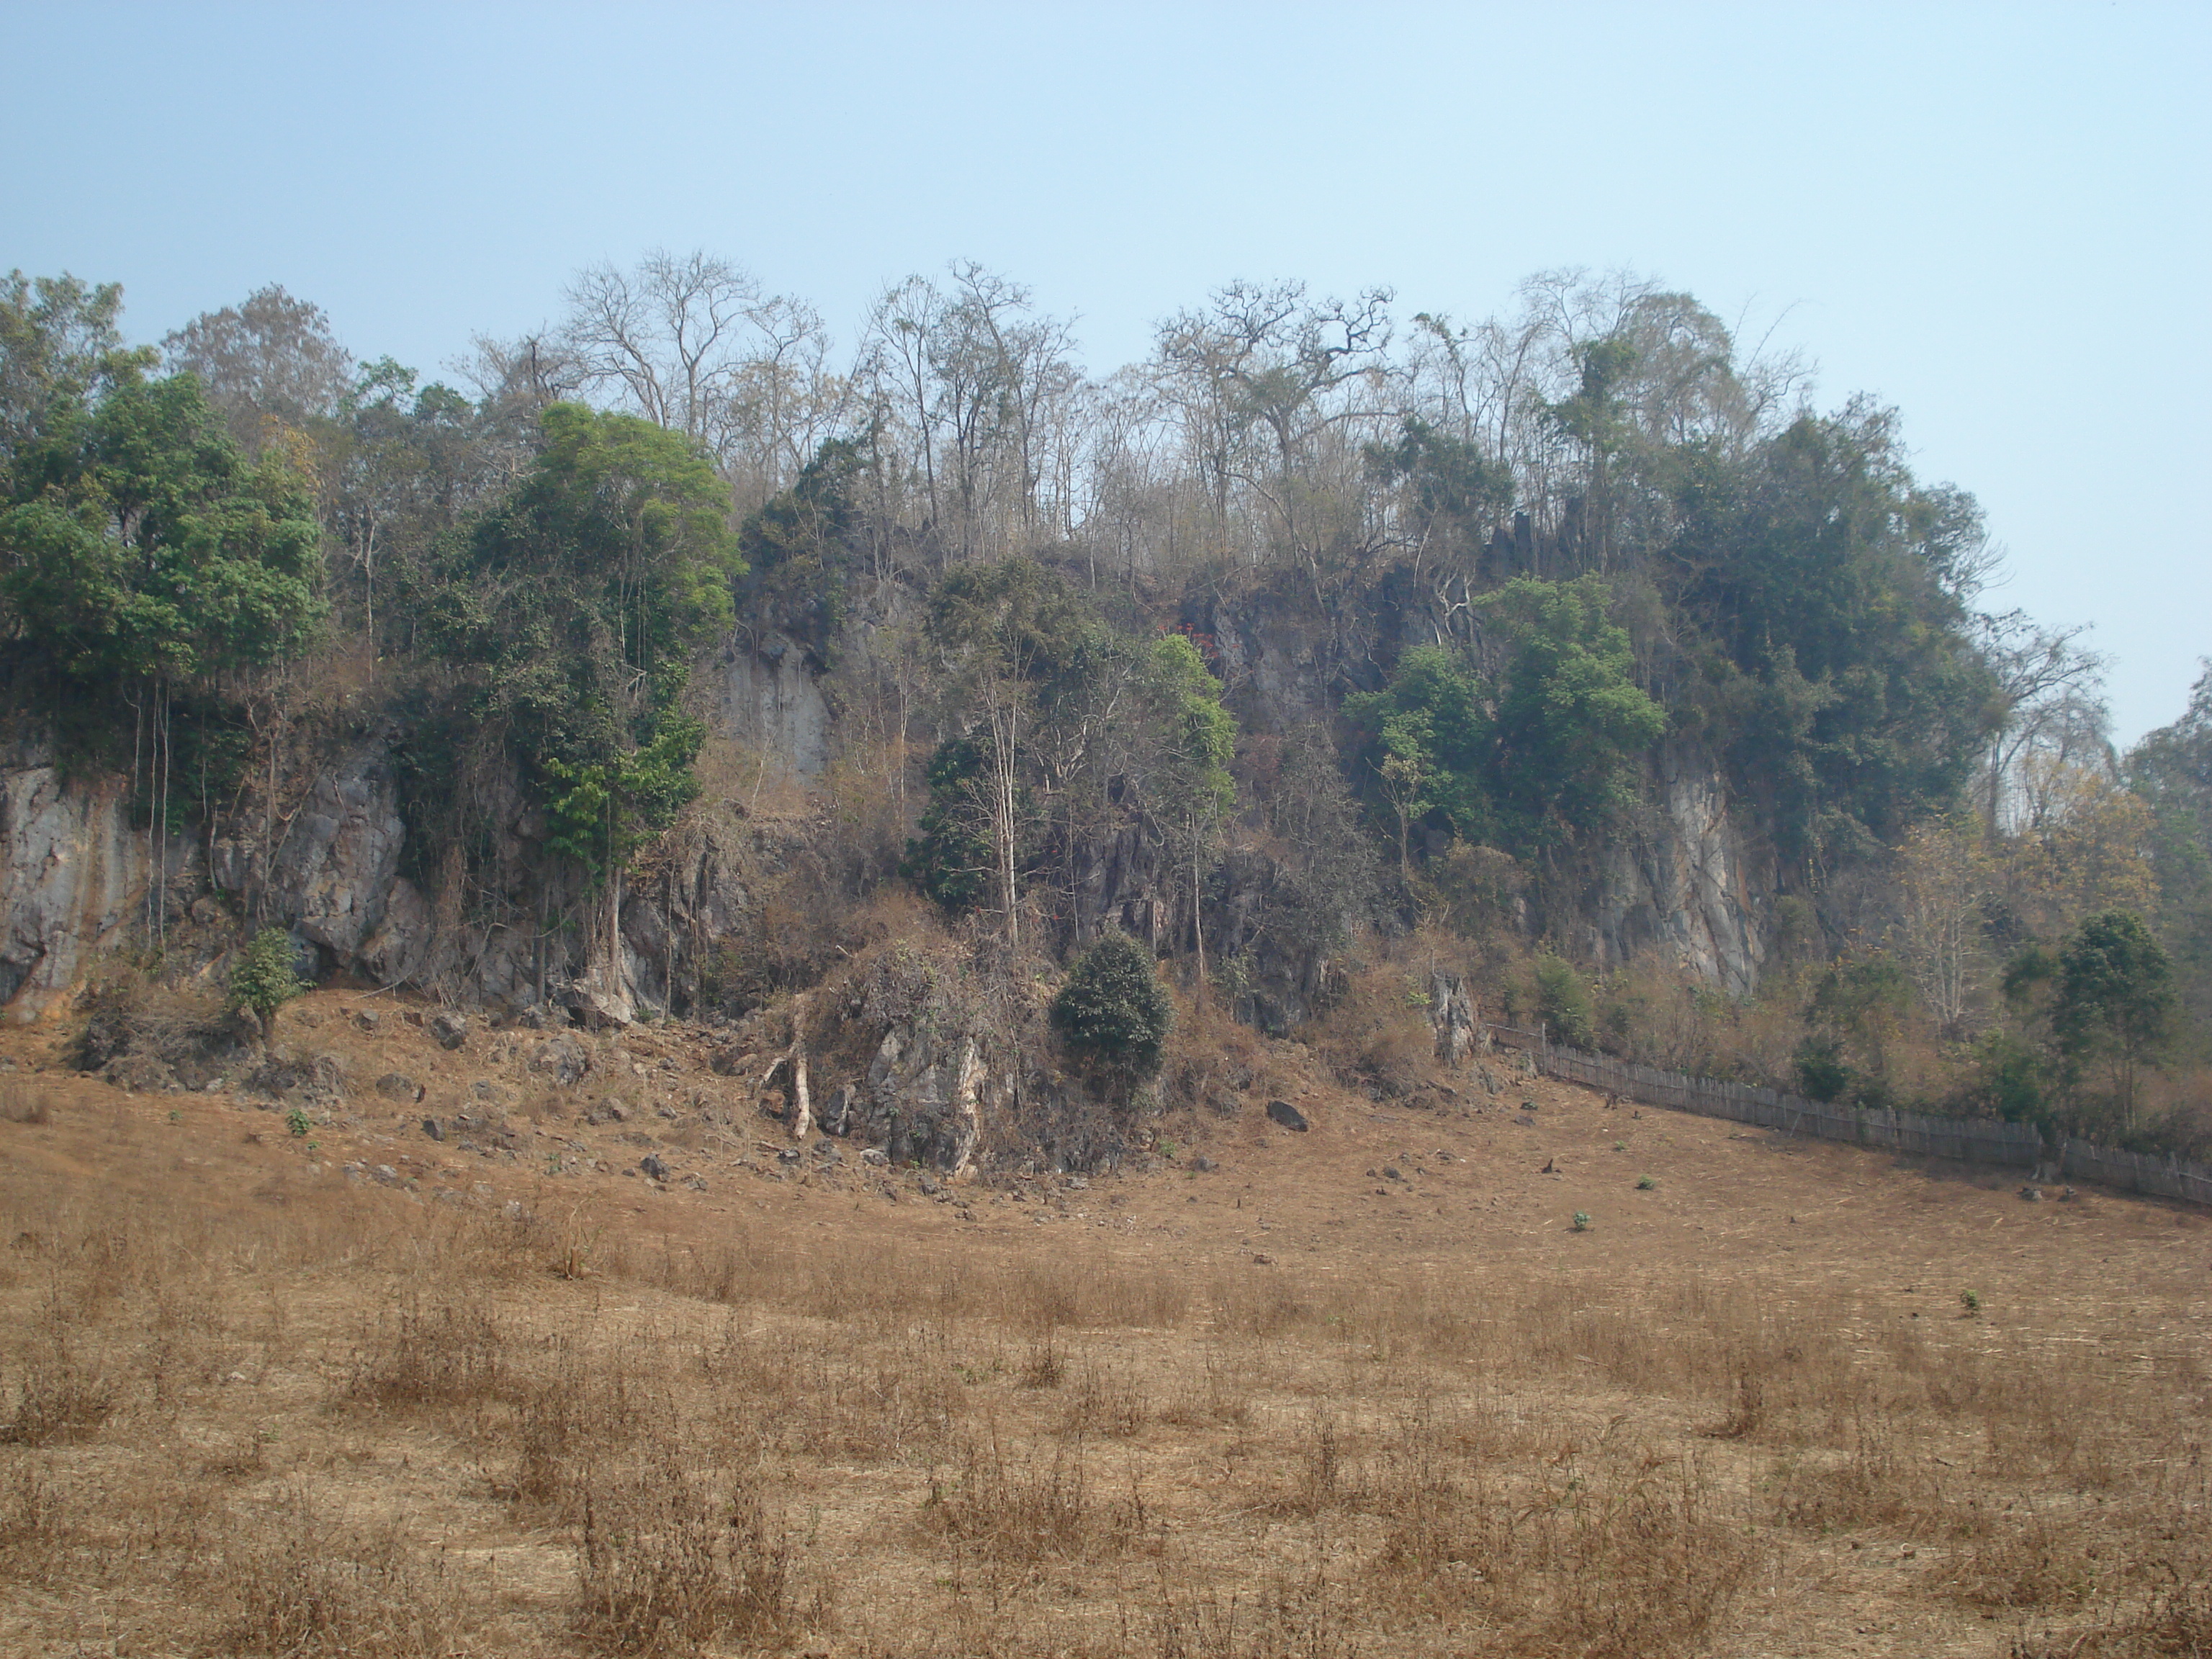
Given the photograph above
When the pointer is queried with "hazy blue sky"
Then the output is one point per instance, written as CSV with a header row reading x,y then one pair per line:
x,y
1994,216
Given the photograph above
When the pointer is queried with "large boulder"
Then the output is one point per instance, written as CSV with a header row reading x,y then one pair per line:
x,y
560,1060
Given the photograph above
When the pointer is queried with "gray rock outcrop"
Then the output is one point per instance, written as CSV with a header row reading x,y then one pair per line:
x,y
924,1095
73,877
334,871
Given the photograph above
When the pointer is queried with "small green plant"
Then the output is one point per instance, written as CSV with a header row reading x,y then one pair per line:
x,y
262,978
1971,1301
1619,1145
1645,1184
1167,1149
176,1116
298,1121
1582,1221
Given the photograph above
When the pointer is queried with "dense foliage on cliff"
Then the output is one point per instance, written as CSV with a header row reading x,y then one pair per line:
x,y
1314,623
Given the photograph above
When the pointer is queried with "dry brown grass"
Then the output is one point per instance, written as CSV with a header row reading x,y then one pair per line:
x,y
257,1412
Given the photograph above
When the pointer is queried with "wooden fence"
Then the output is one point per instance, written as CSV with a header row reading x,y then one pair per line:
x,y
2016,1145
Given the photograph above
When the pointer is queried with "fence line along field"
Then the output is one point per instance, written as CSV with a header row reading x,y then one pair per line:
x,y
1514,1373
1983,1140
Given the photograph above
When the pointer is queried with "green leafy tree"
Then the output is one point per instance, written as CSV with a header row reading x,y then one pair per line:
x,y
1854,1014
1017,647
1430,743
569,614
1563,1002
138,544
1572,720
797,547
1192,788
576,605
951,856
1821,591
1535,758
61,348
2112,1006
1113,1012
602,812
2172,770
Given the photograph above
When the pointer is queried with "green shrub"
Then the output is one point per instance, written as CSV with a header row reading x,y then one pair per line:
x,y
1582,1221
1113,1013
262,978
1646,1184
1563,1002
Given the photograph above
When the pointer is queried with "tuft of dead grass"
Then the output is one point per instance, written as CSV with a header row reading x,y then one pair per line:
x,y
305,1588
669,1560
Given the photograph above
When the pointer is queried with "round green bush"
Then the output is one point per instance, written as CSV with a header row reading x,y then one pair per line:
x,y
1113,1013
262,978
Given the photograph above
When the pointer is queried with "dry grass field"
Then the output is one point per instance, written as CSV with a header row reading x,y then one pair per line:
x,y
1362,1390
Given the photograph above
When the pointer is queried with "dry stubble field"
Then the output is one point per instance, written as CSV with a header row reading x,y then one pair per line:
x,y
520,1402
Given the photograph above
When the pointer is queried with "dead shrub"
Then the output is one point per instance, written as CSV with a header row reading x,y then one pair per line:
x,y
1375,1034
1642,1569
1290,1615
1317,1469
1010,1507
450,1354
1617,1555
309,1589
62,1396
1747,1410
34,1521
1875,1484
669,1561
145,1034
1214,1394
2176,1625
1105,1402
1046,1366
548,1428
2035,1562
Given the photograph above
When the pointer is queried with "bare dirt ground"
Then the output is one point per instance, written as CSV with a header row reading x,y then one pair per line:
x,y
1365,1388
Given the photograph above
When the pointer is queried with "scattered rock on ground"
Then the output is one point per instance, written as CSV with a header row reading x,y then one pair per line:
x,y
398,1085
452,1029
1282,1112
139,1074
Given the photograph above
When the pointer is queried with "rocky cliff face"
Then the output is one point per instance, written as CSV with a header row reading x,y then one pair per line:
x,y
336,871
772,703
74,878
1686,880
